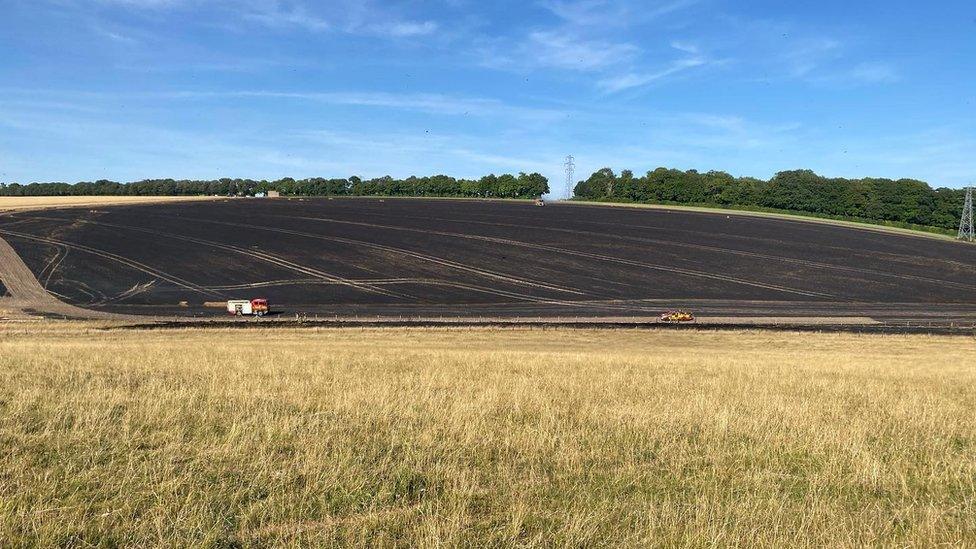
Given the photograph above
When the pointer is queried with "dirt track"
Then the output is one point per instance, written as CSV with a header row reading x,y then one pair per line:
x,y
464,259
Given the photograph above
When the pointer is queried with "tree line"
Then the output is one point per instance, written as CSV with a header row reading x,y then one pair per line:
x,y
903,202
490,186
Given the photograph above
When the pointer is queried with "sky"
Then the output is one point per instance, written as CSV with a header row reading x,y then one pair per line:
x,y
134,89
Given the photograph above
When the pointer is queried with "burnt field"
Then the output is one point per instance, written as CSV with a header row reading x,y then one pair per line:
x,y
447,258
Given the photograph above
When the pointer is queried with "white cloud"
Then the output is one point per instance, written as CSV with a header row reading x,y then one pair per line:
x,y
271,14
634,80
554,49
407,28
348,17
410,145
726,132
431,103
779,51
874,73
116,37
805,58
594,36
726,121
685,47
243,65
603,13
584,12
142,4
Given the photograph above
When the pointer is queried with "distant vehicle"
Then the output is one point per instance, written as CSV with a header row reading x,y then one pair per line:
x,y
677,316
245,307
540,202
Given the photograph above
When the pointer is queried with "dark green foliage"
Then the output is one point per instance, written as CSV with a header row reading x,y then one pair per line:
x,y
491,186
906,202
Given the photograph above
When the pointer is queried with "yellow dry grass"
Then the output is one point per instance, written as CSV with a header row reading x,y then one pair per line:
x,y
484,437
41,202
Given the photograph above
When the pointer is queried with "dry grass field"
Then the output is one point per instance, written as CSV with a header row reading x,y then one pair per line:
x,y
41,202
484,437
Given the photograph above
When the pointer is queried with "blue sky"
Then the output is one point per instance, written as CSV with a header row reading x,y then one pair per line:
x,y
131,89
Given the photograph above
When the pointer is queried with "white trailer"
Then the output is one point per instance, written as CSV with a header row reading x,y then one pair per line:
x,y
239,307
248,307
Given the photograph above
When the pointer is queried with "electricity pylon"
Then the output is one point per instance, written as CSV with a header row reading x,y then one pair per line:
x,y
570,169
966,231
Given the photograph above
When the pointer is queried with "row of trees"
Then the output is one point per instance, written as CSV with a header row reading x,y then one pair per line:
x,y
490,186
903,201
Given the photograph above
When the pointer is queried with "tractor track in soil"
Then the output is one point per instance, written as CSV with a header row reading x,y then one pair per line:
x,y
26,292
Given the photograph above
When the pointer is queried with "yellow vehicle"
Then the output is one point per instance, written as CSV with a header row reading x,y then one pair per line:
x,y
677,316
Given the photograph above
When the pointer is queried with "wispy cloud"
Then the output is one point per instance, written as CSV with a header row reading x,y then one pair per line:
x,y
807,56
358,18
579,42
220,65
685,47
141,4
559,50
638,79
732,132
634,80
272,13
781,50
411,144
431,103
843,75
140,151
406,28
116,36
586,12
616,13
839,72
875,73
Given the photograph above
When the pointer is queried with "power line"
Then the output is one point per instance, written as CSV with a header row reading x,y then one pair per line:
x,y
570,170
966,231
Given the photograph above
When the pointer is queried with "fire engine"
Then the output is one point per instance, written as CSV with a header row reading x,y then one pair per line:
x,y
245,307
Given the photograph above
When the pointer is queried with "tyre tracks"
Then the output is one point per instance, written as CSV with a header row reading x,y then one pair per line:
x,y
28,293
399,281
256,254
847,250
401,251
739,253
185,284
588,255
53,265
